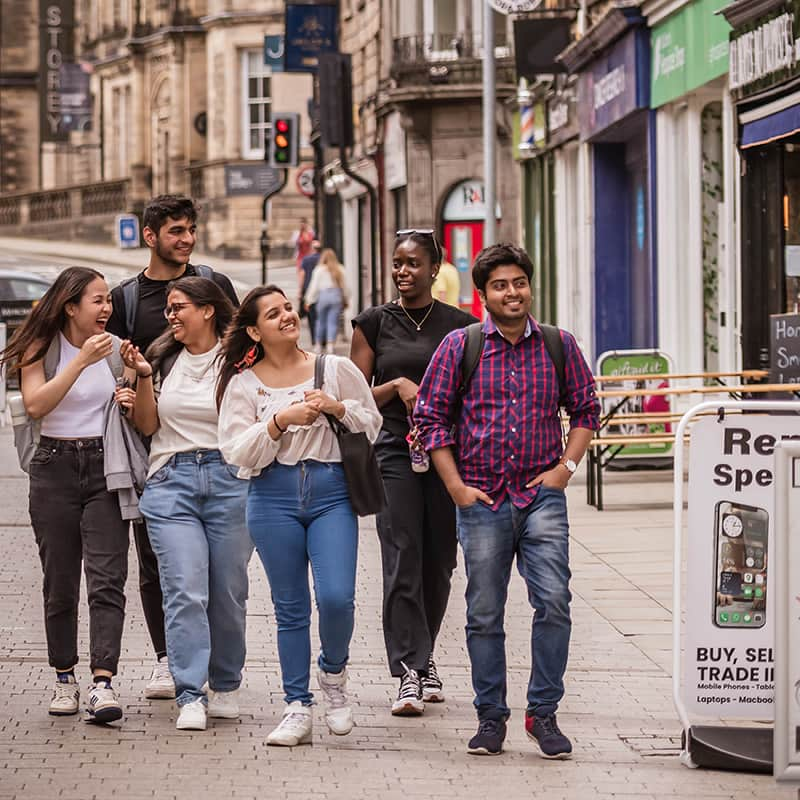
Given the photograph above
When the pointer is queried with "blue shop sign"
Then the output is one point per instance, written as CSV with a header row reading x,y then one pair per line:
x,y
615,85
310,30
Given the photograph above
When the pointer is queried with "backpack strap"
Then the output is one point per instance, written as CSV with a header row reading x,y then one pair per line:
x,y
554,345
319,371
473,348
203,271
130,299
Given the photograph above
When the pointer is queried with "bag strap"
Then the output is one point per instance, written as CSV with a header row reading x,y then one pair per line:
x,y
554,345
319,371
130,298
52,357
473,348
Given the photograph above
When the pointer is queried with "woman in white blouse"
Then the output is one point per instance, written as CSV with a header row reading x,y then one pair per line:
x,y
193,503
272,424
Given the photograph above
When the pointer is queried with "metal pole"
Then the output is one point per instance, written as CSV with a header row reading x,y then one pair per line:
x,y
489,98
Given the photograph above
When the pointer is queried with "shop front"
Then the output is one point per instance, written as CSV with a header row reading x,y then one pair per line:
x,y
765,85
614,118
695,173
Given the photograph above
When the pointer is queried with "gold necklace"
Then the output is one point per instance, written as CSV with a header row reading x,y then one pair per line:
x,y
422,321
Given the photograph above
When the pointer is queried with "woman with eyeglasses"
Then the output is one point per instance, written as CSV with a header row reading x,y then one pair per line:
x,y
194,503
392,345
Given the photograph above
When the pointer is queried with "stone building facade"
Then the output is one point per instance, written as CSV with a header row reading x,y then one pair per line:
x,y
181,99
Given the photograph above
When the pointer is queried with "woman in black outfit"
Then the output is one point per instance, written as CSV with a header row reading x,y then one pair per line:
x,y
392,345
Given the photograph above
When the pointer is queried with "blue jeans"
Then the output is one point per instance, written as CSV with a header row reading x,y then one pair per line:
x,y
539,537
195,512
296,515
329,308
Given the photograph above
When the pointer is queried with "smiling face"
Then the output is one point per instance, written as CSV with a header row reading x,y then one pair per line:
x,y
507,295
277,321
174,242
190,323
89,316
412,271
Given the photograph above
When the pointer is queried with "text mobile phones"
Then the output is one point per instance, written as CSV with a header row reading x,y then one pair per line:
x,y
740,565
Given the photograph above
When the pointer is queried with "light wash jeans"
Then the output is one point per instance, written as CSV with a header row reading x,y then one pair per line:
x,y
539,537
195,512
329,309
296,515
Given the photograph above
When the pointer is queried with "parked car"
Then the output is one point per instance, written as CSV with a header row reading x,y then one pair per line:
x,y
19,293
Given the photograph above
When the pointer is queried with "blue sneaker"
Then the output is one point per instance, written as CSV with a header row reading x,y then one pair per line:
x,y
546,733
488,741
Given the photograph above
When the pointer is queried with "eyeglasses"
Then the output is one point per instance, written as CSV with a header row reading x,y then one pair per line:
x,y
174,309
421,231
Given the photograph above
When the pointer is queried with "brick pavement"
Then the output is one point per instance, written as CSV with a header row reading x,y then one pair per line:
x,y
617,709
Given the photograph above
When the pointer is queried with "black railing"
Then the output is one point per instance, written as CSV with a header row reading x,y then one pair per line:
x,y
443,47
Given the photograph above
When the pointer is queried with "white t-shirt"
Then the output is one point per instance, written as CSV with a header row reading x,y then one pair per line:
x,y
79,415
248,406
187,410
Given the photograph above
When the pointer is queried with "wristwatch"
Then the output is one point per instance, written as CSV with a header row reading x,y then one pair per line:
x,y
569,464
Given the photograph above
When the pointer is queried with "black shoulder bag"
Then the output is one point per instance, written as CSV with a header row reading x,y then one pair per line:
x,y
364,481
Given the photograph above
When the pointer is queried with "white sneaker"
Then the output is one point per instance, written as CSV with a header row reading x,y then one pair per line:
x,y
66,697
223,705
192,716
103,705
338,714
294,728
161,685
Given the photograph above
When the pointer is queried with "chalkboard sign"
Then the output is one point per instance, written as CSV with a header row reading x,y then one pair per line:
x,y
784,337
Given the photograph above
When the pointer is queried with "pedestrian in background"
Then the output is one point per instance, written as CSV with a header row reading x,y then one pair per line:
x,y
327,291
170,232
194,503
273,425
506,468
302,239
74,517
392,345
304,278
447,285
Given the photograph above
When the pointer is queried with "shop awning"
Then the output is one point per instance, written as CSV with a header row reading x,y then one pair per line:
x,y
778,125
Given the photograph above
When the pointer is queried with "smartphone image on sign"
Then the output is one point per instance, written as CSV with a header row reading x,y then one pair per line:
x,y
740,558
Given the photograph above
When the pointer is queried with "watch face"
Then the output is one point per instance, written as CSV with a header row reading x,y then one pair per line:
x,y
732,526
570,465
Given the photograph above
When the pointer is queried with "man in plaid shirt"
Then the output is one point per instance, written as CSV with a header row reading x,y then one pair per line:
x,y
505,465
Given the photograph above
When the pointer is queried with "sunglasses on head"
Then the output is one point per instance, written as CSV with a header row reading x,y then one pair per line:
x,y
421,231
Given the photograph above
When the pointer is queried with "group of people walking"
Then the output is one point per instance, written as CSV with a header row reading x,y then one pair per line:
x,y
242,451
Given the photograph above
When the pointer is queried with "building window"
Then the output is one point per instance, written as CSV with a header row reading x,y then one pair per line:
x,y
256,102
120,127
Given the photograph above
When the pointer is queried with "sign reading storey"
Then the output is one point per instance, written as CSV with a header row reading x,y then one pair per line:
x,y
56,48
311,29
730,598
514,6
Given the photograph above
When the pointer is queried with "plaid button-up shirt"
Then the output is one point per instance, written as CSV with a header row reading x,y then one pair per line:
x,y
508,429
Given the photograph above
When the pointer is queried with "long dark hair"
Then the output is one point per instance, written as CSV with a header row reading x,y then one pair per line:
x,y
201,292
239,351
47,318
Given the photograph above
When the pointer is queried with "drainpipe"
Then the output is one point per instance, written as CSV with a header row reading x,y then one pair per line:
x,y
373,222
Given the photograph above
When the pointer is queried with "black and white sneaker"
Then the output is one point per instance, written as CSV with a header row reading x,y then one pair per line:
x,y
409,701
432,691
103,705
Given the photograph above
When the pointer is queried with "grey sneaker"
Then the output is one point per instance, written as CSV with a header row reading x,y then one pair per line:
x,y
161,686
338,713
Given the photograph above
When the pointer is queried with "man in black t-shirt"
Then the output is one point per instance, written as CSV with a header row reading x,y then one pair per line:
x,y
169,230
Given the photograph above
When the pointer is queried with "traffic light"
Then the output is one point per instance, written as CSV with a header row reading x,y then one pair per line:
x,y
284,140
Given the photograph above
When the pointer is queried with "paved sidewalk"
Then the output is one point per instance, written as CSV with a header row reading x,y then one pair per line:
x,y
618,707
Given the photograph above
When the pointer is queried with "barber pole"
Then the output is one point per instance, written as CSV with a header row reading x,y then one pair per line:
x,y
526,121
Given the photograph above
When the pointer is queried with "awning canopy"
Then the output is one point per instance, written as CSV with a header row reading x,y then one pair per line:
x,y
778,125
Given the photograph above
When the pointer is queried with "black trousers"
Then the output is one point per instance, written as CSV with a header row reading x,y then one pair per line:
x,y
417,533
150,589
75,518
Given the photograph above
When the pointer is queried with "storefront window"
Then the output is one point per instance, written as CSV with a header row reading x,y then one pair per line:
x,y
791,226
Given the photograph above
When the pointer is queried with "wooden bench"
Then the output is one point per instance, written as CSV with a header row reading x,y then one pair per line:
x,y
607,444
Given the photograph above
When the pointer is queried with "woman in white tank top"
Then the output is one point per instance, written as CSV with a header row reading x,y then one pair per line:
x,y
75,518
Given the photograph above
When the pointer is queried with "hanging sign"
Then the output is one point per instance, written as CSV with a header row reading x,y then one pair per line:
x,y
514,6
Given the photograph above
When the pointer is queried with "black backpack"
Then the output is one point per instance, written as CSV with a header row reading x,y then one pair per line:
x,y
473,348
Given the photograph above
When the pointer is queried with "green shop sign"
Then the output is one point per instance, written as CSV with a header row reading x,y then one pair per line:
x,y
687,50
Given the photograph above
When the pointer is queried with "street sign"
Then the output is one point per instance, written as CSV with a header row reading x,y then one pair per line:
x,y
250,179
786,568
273,52
127,230
514,6
311,29
305,181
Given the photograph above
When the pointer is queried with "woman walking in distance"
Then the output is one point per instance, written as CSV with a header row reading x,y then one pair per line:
x,y
328,292
273,425
392,345
74,517
193,503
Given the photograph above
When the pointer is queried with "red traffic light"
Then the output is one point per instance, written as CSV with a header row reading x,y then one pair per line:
x,y
282,126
